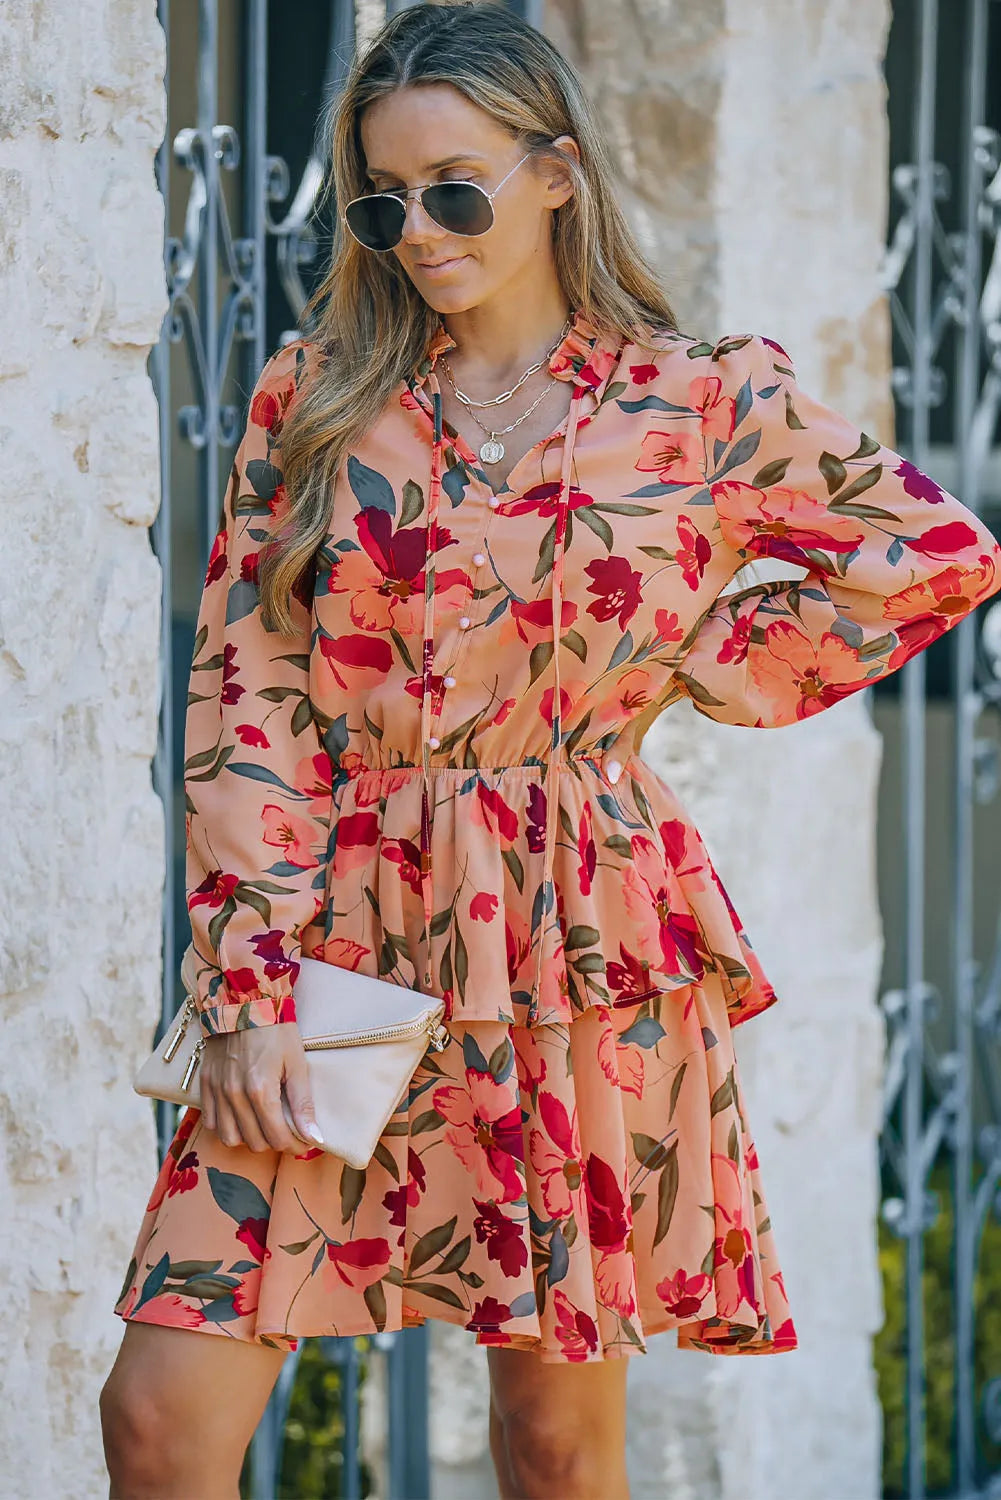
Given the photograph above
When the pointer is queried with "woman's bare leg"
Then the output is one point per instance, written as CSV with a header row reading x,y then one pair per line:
x,y
179,1409
557,1429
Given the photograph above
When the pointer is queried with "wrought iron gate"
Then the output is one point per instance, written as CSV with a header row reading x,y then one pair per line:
x,y
941,1143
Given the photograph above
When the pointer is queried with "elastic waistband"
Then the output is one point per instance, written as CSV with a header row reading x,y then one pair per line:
x,y
534,768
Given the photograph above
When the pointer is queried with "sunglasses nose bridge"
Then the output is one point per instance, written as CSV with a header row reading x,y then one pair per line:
x,y
416,219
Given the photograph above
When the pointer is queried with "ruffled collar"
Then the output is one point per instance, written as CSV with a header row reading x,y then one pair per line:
x,y
584,355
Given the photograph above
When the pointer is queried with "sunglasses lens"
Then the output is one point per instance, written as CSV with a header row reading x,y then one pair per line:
x,y
459,207
377,220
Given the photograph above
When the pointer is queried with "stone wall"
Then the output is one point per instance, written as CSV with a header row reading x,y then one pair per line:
x,y
751,148
81,858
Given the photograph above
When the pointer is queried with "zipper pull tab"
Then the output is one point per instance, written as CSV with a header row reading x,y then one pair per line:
x,y
193,1062
182,1026
439,1037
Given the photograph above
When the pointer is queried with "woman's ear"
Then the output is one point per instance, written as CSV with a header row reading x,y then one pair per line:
x,y
559,183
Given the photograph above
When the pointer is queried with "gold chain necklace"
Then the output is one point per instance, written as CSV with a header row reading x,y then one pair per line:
x,y
492,450
467,401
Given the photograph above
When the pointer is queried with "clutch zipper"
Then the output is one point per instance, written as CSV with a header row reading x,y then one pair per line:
x,y
437,1037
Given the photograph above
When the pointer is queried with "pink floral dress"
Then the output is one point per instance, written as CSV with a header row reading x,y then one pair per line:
x,y
416,787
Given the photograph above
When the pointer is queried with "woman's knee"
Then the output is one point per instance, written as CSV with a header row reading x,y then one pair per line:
x,y
141,1442
547,1455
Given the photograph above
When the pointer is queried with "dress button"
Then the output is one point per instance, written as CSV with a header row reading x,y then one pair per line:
x,y
493,502
465,623
434,741
479,559
448,681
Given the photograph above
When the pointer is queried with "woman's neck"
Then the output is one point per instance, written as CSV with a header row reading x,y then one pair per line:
x,y
498,340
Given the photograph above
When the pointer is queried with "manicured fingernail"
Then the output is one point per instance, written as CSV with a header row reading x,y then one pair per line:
x,y
313,1130
614,771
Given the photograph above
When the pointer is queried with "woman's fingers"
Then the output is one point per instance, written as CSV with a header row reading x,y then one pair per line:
x,y
300,1096
241,1086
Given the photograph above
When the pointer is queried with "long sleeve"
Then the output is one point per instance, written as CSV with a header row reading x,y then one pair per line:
x,y
893,560
257,777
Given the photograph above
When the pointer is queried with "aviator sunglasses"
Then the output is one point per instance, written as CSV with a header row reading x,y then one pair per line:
x,y
376,219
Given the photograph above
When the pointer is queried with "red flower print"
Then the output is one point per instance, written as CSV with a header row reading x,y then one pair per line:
x,y
784,523
618,586
408,1194
705,395
615,1278
385,578
357,1264
630,696
529,1060
268,945
733,1259
734,648
944,541
586,851
357,838
668,626
800,678
607,1214
675,457
505,1239
656,904
947,593
682,1294
485,1134
217,557
483,907
576,1331
367,656
172,1311
533,622
643,373
186,1176
249,734
214,890
555,1156
570,693
268,408
919,485
344,952
621,1064
254,1234
232,691
516,944
488,809
915,635
245,1301
291,834
694,551
537,807
488,1314
314,776
541,500
630,979
406,854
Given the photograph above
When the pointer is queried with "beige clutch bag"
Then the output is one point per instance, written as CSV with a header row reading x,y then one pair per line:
x,y
363,1039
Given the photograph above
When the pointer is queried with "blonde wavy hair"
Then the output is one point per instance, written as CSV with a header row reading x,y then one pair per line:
x,y
368,320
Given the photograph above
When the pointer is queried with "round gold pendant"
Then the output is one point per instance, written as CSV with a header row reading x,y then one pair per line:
x,y
492,451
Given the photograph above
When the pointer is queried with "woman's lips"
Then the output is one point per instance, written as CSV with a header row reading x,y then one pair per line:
x,y
443,267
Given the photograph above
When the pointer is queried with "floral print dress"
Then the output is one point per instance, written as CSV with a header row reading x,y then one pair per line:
x,y
416,787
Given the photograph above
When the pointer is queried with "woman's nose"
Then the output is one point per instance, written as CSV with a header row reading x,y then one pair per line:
x,y
418,223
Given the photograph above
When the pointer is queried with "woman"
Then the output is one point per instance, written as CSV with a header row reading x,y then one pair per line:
x,y
496,383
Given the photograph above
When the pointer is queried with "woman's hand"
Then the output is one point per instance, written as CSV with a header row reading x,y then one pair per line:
x,y
240,1084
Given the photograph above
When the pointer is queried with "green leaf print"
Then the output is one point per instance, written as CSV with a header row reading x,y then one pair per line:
x,y
375,1301
432,1243
370,487
413,502
237,1196
352,1188
667,1194
241,600
154,1281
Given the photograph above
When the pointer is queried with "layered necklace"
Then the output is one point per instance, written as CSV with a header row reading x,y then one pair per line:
x,y
492,449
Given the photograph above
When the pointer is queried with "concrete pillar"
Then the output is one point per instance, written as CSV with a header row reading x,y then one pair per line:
x,y
81,857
